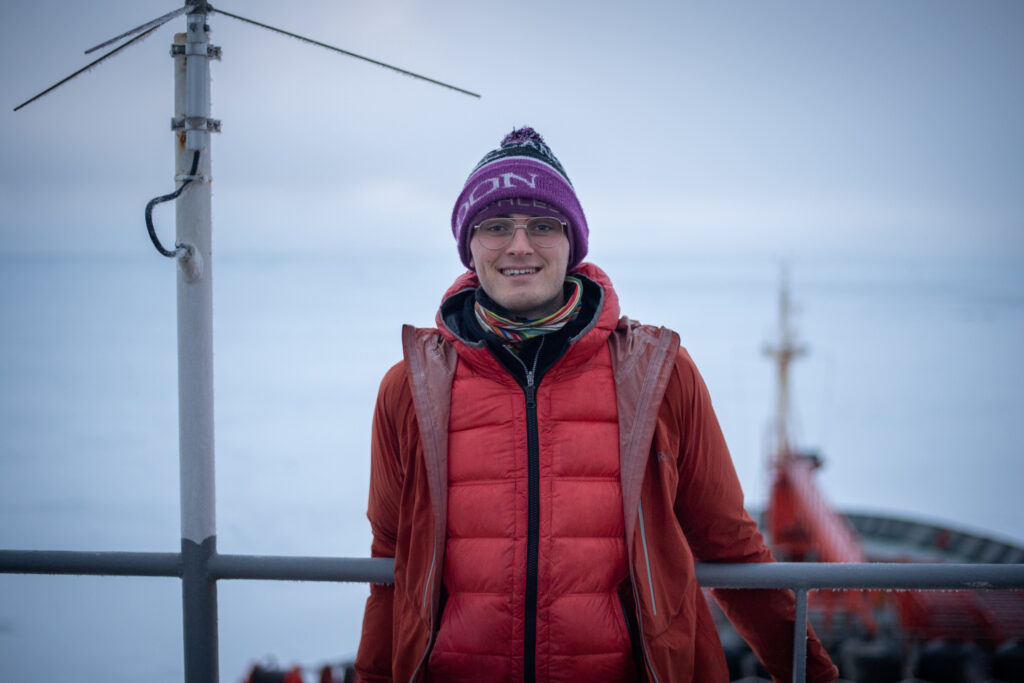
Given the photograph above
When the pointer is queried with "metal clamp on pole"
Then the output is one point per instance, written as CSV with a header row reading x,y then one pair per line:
x,y
212,51
196,123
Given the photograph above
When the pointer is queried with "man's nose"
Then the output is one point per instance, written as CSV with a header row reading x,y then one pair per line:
x,y
520,242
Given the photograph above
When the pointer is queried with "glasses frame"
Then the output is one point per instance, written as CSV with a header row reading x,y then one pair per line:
x,y
522,223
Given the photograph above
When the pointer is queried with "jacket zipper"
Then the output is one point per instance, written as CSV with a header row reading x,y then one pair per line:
x,y
636,596
532,519
647,560
640,628
430,637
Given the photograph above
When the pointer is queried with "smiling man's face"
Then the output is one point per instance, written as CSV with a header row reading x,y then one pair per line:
x,y
523,278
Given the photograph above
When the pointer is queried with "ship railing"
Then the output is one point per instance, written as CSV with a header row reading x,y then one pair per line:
x,y
210,567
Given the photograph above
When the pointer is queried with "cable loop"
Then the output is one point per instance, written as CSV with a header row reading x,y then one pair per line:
x,y
180,249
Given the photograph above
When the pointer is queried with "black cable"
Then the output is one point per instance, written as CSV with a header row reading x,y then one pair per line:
x,y
166,198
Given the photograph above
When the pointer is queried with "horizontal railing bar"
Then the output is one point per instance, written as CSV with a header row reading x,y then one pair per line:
x,y
796,575
85,562
276,568
866,575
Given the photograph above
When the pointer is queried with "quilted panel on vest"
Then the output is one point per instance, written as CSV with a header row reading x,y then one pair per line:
x,y
581,631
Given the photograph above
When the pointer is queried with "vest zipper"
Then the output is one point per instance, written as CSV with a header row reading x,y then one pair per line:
x,y
532,519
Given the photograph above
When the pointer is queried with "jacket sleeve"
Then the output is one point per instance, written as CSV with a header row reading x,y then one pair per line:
x,y
391,431
709,507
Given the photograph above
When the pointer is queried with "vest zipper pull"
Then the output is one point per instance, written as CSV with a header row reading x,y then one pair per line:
x,y
531,391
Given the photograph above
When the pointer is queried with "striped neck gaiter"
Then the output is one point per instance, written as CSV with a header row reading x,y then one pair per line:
x,y
515,331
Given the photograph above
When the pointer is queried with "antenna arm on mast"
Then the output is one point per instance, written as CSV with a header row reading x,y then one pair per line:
x,y
156,23
344,52
86,67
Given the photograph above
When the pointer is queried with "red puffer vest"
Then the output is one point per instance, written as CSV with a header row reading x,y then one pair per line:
x,y
535,546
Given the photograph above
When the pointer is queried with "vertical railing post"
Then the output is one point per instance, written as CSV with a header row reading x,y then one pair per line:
x,y
800,637
195,350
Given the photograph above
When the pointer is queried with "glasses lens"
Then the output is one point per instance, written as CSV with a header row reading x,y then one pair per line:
x,y
544,231
497,233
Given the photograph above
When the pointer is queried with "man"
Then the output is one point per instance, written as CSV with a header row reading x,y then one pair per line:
x,y
545,474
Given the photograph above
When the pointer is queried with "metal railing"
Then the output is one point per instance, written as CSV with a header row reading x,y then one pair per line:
x,y
800,577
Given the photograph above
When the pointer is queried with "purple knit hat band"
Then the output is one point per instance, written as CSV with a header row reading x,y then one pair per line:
x,y
521,205
522,168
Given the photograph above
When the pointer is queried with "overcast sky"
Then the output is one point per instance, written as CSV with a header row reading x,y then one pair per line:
x,y
861,132
863,129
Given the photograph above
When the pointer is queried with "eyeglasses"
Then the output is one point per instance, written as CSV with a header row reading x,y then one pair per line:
x,y
497,233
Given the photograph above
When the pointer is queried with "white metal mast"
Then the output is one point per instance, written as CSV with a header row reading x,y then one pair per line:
x,y
192,125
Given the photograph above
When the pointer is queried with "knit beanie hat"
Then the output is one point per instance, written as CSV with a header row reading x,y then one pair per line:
x,y
522,168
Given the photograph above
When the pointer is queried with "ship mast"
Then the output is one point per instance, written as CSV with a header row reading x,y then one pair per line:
x,y
802,524
785,350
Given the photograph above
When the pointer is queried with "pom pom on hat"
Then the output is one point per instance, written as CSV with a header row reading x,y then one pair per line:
x,y
521,135
523,167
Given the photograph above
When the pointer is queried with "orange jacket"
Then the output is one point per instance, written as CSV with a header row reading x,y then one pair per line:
x,y
682,503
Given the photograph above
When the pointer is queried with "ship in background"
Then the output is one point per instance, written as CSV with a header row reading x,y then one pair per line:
x,y
908,636
879,636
